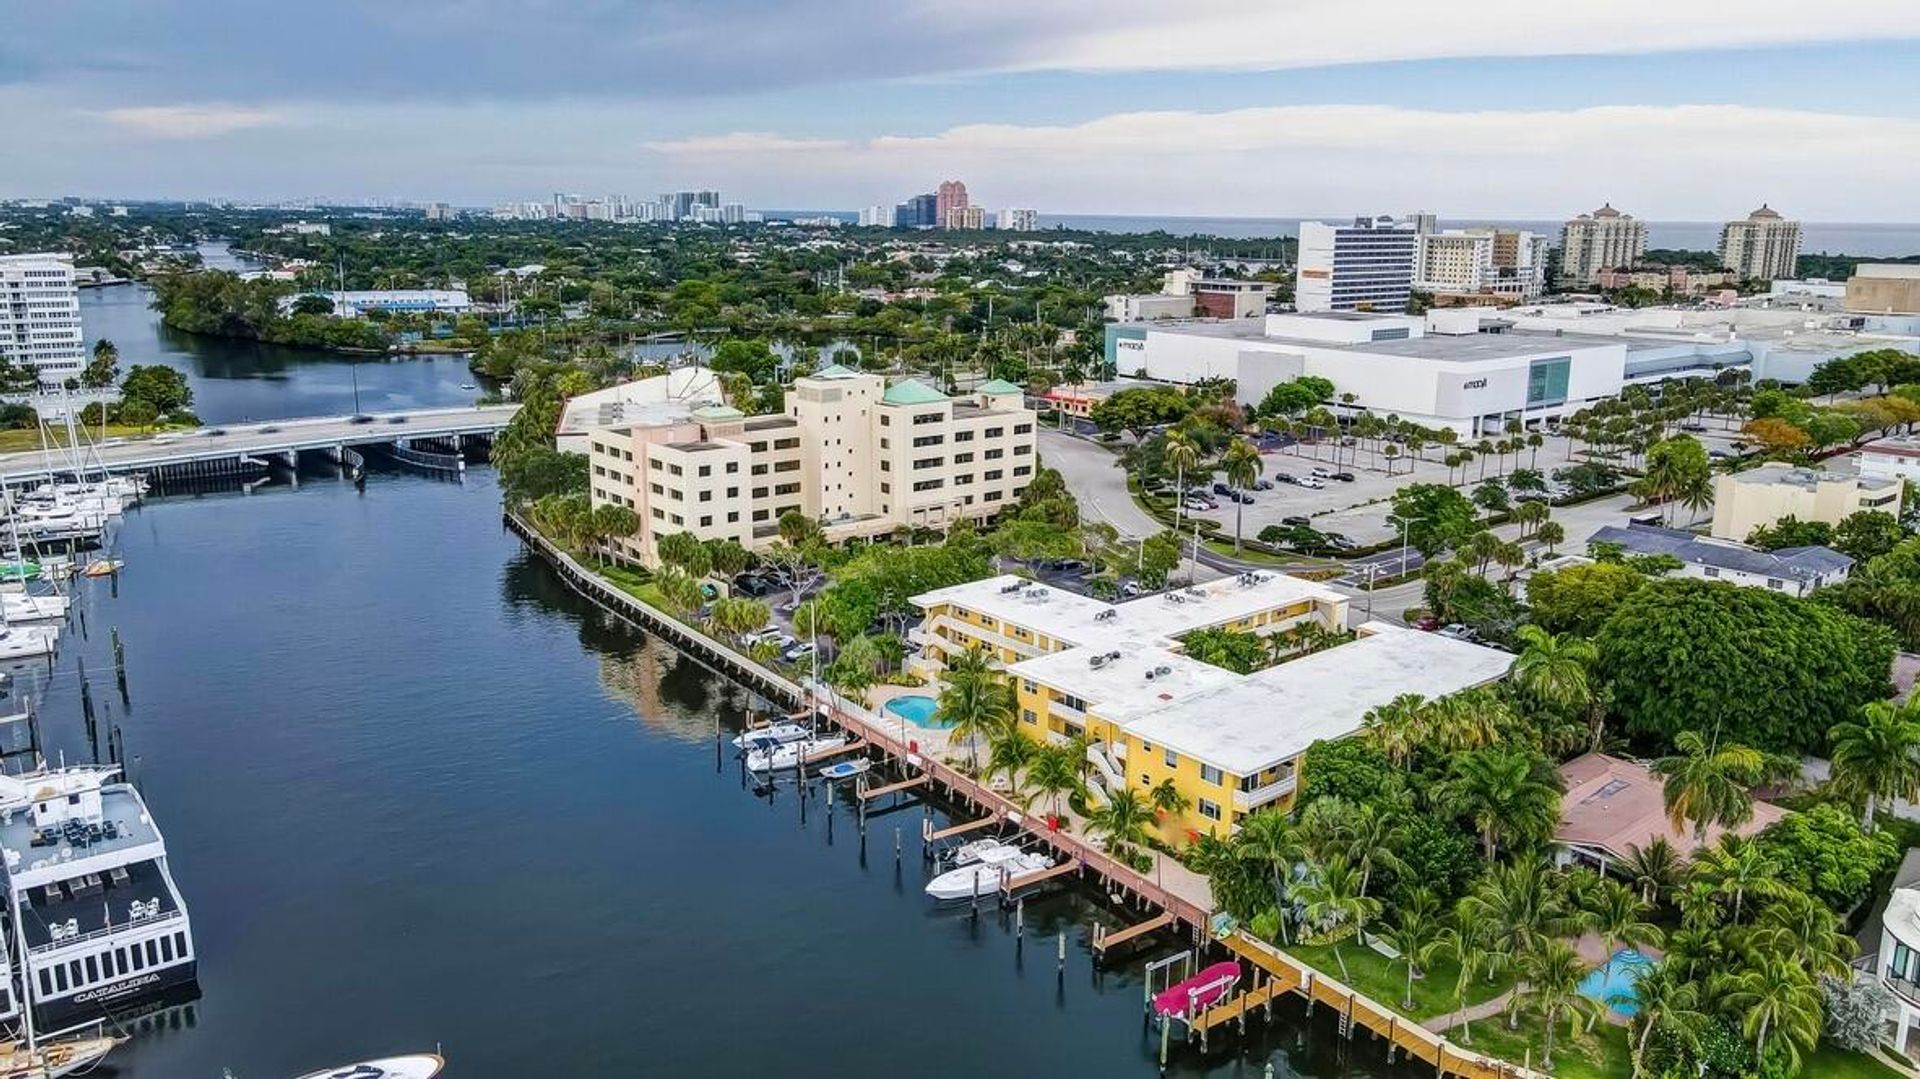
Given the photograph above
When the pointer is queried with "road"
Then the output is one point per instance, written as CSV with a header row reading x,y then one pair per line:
x,y
277,436
1093,473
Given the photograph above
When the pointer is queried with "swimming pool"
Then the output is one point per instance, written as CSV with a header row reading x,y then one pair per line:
x,y
1612,984
918,709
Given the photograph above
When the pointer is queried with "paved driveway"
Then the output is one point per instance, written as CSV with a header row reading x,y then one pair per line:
x,y
1093,473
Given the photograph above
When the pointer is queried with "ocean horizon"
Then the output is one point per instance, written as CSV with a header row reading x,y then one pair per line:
x,y
1866,238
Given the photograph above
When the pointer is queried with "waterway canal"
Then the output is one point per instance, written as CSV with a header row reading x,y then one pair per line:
x,y
415,791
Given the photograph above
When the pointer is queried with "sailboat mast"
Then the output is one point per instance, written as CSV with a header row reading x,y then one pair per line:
x,y
26,971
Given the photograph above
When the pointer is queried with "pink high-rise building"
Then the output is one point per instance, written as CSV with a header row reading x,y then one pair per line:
x,y
949,196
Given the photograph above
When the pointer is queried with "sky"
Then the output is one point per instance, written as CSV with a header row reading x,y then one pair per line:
x,y
1514,109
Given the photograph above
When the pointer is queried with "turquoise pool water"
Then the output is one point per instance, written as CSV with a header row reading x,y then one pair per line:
x,y
918,710
1612,984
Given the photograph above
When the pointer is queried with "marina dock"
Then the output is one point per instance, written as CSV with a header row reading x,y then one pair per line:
x,y
1275,974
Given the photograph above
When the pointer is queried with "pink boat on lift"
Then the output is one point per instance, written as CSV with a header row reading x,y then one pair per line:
x,y
1193,995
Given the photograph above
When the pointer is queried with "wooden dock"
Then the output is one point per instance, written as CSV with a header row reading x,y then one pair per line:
x,y
1010,883
893,788
1102,940
854,746
1235,1008
931,836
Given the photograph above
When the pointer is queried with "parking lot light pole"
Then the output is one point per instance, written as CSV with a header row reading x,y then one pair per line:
x,y
1404,522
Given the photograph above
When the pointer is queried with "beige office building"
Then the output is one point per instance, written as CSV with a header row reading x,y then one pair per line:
x,y
1765,245
1744,501
1884,288
861,457
1605,239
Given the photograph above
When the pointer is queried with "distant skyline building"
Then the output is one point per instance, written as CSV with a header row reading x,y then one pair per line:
x,y
40,316
1605,239
1764,245
876,217
918,212
1016,219
951,195
965,217
1507,263
1366,266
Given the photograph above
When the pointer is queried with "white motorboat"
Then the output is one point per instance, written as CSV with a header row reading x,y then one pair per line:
x,y
26,642
23,607
787,757
776,734
414,1066
970,852
983,876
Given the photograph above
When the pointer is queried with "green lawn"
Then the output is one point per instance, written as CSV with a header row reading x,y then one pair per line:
x,y
1605,1053
16,439
1385,980
1833,1062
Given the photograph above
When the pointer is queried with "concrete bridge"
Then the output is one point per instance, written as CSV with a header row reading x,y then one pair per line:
x,y
237,448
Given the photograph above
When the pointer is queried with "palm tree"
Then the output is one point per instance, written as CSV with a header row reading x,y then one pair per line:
x,y
1664,998
1801,927
1706,784
1010,753
1167,801
1776,995
1554,668
1521,902
1054,773
1466,720
1619,916
1414,933
1241,464
1397,726
1475,943
974,701
1371,837
1553,972
1508,793
1551,534
1653,868
1331,901
1267,838
1736,868
1123,820
1181,452
1879,757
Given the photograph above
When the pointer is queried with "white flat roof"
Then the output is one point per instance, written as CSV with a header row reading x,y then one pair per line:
x,y
1119,689
1273,715
1144,622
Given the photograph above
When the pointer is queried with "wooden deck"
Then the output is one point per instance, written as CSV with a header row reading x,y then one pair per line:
x,y
1102,940
962,828
1237,1007
892,788
1013,883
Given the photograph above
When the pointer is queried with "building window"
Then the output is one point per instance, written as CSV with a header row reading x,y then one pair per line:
x,y
963,436
657,515
786,443
962,458
925,418
733,492
886,488
1710,571
928,440
1022,470
995,455
706,470
1209,774
706,496
759,515
1027,716
706,521
1022,450
1023,428
654,464
928,462
787,466
732,467
1776,583
1172,758
1209,810
757,447
963,479
996,432
759,492
759,470
886,420
928,485
733,518
675,470
786,489
993,474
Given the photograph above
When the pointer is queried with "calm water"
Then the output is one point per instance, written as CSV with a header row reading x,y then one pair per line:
x,y
417,792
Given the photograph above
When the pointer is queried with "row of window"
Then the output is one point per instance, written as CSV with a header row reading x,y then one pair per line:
x,y
107,966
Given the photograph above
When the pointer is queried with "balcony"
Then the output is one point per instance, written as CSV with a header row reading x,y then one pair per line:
x,y
1247,801
1907,991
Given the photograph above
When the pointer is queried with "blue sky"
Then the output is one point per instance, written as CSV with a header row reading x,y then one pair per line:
x,y
1505,108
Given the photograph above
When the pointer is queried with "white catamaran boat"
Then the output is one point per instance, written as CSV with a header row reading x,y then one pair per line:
x,y
99,922
984,875
414,1066
776,734
788,757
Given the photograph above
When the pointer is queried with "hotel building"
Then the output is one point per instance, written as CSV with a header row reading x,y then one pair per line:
x,y
1605,239
861,457
40,316
1366,266
1764,245
1117,675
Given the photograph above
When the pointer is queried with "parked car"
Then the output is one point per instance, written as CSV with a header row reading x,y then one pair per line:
x,y
1199,505
1343,477
1322,473
1296,521
1221,488
1693,427
1284,477
1263,485
1313,483
1532,496
360,418
396,419
1337,541
798,652
1459,632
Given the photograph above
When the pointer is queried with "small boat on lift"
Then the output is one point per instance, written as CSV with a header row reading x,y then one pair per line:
x,y
1191,996
845,769
790,756
983,876
103,567
415,1066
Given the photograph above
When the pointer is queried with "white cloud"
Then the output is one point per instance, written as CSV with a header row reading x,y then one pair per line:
x,y
1117,35
188,121
1668,162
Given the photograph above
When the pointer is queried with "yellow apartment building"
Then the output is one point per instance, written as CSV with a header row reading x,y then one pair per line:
x,y
1116,674
1744,501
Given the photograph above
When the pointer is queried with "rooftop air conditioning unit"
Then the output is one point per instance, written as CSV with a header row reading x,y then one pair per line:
x,y
1162,671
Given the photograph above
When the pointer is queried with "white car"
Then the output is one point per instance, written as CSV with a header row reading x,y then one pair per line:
x,y
1313,483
